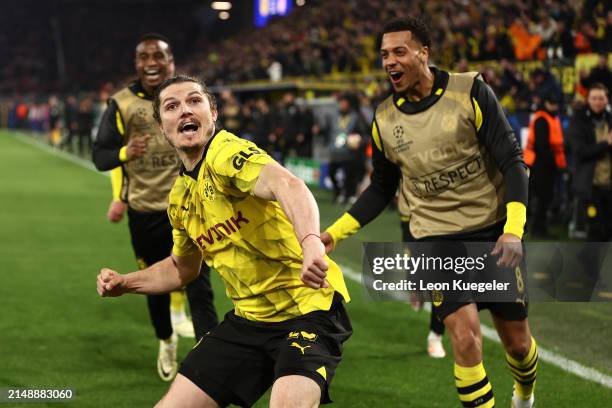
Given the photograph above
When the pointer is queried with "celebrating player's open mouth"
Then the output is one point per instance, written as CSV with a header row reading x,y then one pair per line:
x,y
152,75
189,127
395,76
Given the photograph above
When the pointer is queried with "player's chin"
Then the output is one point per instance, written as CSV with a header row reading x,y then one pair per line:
x,y
399,87
190,145
153,83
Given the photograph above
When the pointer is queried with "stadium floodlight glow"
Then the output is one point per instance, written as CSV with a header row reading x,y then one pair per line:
x,y
221,5
224,15
300,3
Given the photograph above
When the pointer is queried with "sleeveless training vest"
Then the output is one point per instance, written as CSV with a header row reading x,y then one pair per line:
x,y
450,184
149,178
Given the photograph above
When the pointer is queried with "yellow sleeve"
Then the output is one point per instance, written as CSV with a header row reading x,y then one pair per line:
x,y
344,227
116,175
516,217
123,154
236,166
182,244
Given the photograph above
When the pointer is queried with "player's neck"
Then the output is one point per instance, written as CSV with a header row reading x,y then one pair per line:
x,y
191,158
148,90
423,87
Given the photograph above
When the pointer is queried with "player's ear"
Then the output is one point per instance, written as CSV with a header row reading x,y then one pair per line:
x,y
215,114
424,54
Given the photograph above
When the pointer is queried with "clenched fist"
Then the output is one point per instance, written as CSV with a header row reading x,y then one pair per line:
x,y
314,268
110,283
116,209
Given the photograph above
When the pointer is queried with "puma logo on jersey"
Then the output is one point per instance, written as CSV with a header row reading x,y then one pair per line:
x,y
221,230
294,344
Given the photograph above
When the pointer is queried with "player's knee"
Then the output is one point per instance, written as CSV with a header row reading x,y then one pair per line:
x,y
466,342
518,347
291,400
295,392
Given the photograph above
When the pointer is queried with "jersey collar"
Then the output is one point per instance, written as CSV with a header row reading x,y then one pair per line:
x,y
437,90
138,90
196,170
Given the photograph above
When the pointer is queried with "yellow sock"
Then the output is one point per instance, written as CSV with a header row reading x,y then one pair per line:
x,y
473,386
524,371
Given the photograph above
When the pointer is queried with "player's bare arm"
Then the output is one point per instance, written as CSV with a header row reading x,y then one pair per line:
x,y
171,273
277,183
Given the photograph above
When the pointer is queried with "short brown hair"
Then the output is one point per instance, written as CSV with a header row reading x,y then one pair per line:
x,y
179,79
598,85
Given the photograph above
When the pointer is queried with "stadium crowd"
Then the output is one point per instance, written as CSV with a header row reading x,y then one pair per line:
x,y
341,36
322,38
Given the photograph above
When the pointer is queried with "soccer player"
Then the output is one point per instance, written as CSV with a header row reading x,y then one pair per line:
x,y
444,139
129,139
258,226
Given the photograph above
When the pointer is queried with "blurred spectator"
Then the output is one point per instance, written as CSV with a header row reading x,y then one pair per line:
x,y
263,131
561,44
599,74
302,146
21,113
545,155
85,118
546,28
55,115
543,84
525,43
38,116
230,112
293,127
99,107
349,141
590,135
585,38
608,38
71,110
495,45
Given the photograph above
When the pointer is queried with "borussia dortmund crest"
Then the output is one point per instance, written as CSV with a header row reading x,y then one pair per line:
x,y
208,191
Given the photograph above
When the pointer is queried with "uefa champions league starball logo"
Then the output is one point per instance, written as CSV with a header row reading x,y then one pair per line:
x,y
398,132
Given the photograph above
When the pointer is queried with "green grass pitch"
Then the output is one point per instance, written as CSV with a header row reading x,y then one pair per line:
x,y
55,332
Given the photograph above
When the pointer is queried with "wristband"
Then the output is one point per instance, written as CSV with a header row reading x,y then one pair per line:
x,y
307,235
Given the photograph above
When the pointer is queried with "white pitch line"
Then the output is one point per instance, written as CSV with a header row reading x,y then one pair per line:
x,y
544,354
548,356
30,140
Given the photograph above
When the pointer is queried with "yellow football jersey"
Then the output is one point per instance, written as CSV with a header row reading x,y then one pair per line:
x,y
249,241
